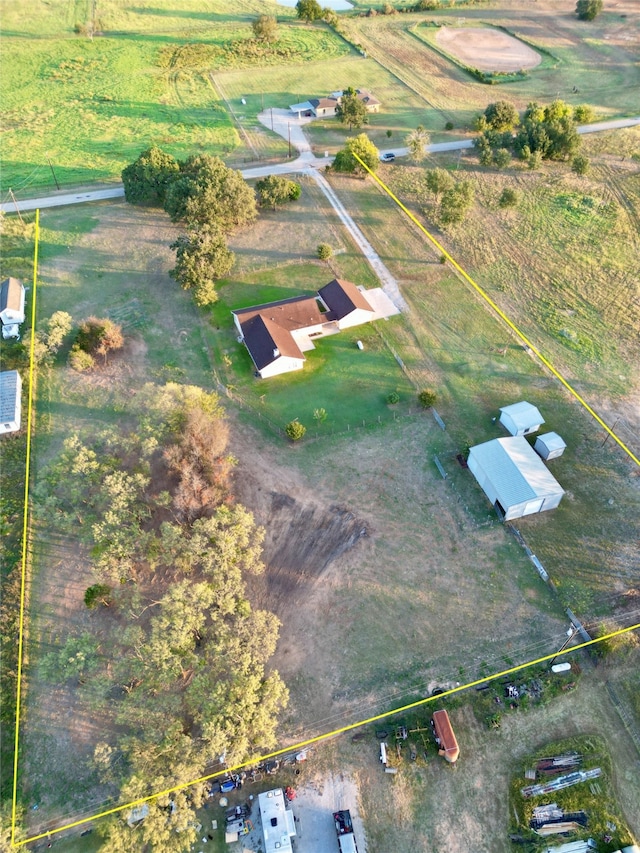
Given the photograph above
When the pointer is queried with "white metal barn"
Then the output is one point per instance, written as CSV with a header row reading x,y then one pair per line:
x,y
521,418
513,477
10,401
550,445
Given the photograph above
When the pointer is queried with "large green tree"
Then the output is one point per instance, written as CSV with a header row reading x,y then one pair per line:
x,y
501,116
146,180
207,192
202,257
365,149
587,10
265,28
308,10
439,181
351,110
275,190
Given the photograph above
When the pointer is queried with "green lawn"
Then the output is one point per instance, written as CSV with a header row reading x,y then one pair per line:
x,y
350,384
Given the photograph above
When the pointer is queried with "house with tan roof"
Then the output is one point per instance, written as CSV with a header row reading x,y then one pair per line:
x,y
326,107
277,334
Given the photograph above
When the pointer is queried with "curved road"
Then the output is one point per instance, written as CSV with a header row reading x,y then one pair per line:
x,y
283,121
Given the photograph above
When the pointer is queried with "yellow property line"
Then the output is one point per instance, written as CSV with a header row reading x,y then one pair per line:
x,y
302,744
298,746
501,314
25,524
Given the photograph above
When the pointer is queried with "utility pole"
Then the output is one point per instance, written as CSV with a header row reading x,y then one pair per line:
x,y
53,173
13,198
570,634
271,118
262,99
289,129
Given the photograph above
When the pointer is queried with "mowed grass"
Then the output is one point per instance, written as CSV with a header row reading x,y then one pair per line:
x,y
277,259
401,109
90,106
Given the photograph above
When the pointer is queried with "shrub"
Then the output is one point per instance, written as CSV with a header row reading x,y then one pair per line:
x,y
393,398
389,134
501,158
509,198
580,165
427,398
448,125
325,251
295,430
583,114
80,360
97,594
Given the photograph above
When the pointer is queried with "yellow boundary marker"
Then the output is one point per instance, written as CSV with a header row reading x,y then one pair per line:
x,y
25,526
298,746
501,314
318,738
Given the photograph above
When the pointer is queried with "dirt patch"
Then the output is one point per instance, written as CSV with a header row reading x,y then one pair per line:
x,y
487,49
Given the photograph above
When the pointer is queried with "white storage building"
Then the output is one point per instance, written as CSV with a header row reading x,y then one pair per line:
x,y
521,418
550,445
513,477
10,401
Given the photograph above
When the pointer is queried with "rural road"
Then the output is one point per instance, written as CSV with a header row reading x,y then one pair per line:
x,y
282,121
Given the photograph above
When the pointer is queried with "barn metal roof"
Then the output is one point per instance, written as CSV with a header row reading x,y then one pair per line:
x,y
552,441
515,470
523,414
10,386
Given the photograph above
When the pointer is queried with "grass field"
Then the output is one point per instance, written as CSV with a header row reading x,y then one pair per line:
x,y
452,342
595,60
91,105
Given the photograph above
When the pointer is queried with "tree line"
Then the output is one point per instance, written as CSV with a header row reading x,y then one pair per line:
x,y
178,655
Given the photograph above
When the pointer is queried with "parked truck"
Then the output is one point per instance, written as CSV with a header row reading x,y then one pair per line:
x,y
344,830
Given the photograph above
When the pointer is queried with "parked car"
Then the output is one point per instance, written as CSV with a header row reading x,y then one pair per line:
x,y
388,157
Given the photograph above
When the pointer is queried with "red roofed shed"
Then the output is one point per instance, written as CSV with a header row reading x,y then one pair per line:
x,y
448,745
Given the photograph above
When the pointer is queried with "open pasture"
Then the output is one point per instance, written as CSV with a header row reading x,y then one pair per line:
x,y
90,105
596,60
453,343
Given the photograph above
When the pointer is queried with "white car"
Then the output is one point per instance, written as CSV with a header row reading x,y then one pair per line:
x,y
388,157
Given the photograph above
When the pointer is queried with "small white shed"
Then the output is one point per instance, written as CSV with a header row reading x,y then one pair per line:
x,y
513,477
11,307
521,418
550,445
10,401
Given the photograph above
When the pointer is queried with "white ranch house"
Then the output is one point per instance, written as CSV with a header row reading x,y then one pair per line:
x,y
326,107
278,334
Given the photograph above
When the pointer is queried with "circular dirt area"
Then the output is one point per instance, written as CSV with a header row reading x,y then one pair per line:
x,y
487,49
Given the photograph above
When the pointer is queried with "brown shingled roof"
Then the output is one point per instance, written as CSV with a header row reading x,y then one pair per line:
x,y
267,341
342,297
299,312
11,294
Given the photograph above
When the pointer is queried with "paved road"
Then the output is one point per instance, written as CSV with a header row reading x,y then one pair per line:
x,y
283,123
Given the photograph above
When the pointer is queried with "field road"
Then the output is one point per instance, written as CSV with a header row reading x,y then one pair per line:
x,y
283,124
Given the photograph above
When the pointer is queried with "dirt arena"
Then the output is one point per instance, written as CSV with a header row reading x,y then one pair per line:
x,y
487,49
